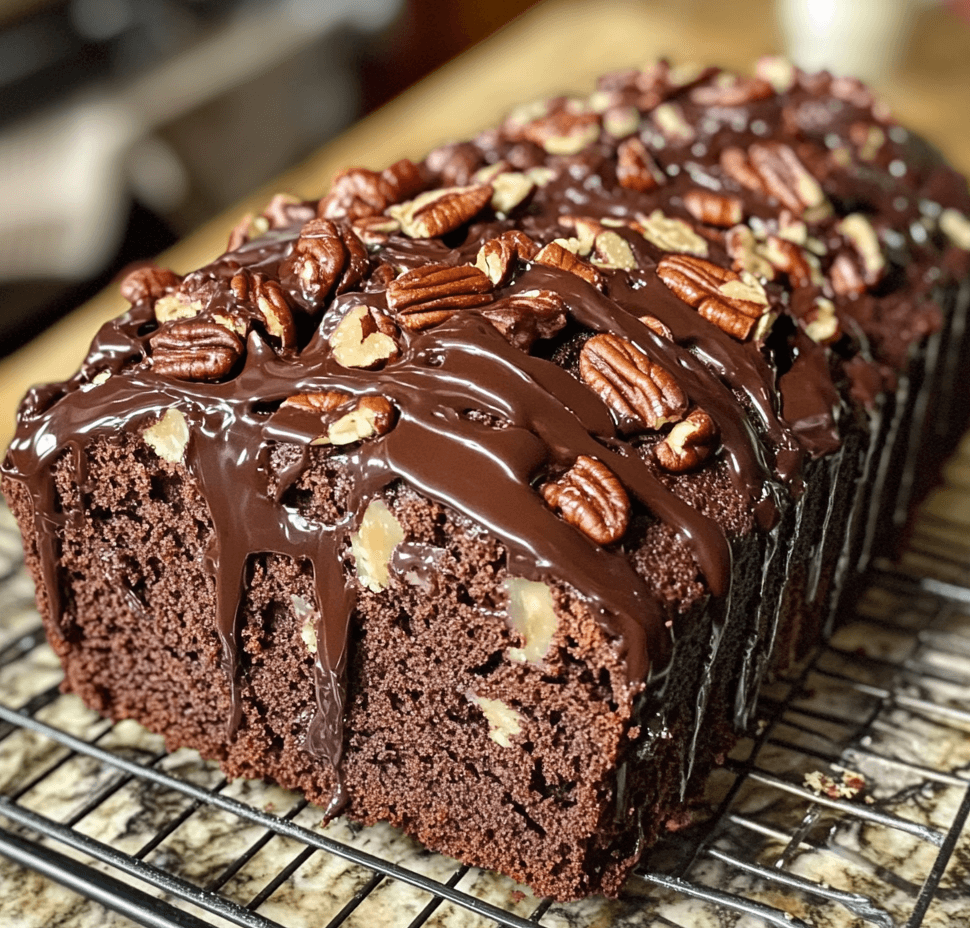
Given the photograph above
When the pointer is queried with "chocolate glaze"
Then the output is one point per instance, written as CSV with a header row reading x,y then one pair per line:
x,y
480,424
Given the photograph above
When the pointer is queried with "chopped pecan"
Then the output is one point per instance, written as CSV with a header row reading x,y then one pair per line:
x,y
524,317
366,417
657,327
562,132
821,322
286,209
613,251
640,393
846,278
688,444
555,256
859,231
735,303
509,189
193,349
177,305
670,234
266,296
791,259
355,193
590,497
635,167
497,257
364,338
778,71
326,257
715,209
669,119
621,121
437,212
425,296
148,283
732,90
745,252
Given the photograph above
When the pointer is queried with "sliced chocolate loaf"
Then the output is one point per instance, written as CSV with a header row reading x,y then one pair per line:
x,y
481,495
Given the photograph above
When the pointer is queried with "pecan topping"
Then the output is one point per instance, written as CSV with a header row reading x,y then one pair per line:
x,y
670,234
688,444
735,303
177,305
774,169
669,119
497,257
791,259
732,90
562,132
524,317
355,193
375,230
613,251
437,212
148,283
590,497
364,338
640,393
715,209
555,256
266,296
657,327
821,323
403,179
427,295
366,417
192,349
283,210
859,231
846,277
635,167
326,257
509,189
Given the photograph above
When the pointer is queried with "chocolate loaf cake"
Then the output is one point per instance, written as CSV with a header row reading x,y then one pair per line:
x,y
481,495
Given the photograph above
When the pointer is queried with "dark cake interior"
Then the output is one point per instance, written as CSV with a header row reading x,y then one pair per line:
x,y
481,495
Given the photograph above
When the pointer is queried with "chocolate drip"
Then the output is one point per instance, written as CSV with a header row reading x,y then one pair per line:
x,y
479,423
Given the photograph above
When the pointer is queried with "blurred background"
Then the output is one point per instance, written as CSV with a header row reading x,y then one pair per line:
x,y
125,124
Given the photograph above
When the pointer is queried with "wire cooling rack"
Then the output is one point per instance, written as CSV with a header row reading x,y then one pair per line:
x,y
847,807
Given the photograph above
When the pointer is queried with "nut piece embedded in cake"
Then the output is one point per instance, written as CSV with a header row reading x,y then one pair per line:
x,y
428,295
373,544
503,721
533,616
169,437
437,212
670,234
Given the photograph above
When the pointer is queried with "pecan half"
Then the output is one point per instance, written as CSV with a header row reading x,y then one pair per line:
x,y
590,496
688,444
859,231
669,119
497,257
715,209
375,230
847,280
555,256
734,303
193,349
403,179
286,209
364,338
773,168
791,259
266,296
657,327
426,296
148,283
355,193
437,212
635,167
640,393
613,251
524,317
327,257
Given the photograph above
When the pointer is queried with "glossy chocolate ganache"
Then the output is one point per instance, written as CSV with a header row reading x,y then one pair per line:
x,y
551,329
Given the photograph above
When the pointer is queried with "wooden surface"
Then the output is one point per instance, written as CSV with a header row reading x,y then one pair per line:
x,y
559,46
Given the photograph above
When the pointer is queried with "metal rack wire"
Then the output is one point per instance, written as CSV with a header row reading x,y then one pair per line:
x,y
848,807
